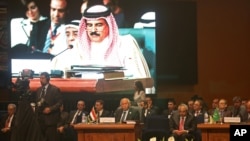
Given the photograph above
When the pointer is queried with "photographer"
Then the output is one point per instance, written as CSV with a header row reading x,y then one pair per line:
x,y
26,127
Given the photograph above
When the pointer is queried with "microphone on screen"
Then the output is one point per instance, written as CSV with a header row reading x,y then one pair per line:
x,y
69,47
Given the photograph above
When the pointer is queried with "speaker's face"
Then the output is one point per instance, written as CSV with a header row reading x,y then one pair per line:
x,y
44,80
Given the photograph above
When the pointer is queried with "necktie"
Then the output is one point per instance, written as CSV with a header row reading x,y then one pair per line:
x,y
47,44
75,117
54,30
181,126
221,113
98,115
50,36
123,116
7,122
43,92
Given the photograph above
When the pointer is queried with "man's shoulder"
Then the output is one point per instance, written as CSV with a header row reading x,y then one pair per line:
x,y
131,109
53,86
126,37
128,42
44,24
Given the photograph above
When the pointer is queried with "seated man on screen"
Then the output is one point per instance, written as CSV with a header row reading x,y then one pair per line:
x,y
70,56
101,44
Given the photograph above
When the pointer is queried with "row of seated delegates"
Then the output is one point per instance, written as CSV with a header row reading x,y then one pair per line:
x,y
198,117
236,110
21,27
114,5
7,122
68,120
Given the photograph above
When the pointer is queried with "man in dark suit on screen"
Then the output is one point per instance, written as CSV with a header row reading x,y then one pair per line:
x,y
48,36
126,112
49,100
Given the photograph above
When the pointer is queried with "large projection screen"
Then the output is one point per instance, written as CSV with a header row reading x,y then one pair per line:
x,y
139,22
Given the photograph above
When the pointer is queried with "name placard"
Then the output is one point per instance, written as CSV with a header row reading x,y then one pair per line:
x,y
232,119
107,120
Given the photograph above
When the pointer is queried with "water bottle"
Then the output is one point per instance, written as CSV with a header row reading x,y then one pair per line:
x,y
84,118
205,118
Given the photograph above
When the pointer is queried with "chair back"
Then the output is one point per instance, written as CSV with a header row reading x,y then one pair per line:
x,y
158,122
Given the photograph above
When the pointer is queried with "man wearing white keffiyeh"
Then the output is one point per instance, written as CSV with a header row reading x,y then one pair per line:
x,y
102,45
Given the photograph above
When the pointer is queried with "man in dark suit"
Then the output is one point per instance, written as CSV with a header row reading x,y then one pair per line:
x,y
152,109
199,114
49,100
171,108
182,124
126,112
7,123
75,117
238,110
223,109
100,111
149,110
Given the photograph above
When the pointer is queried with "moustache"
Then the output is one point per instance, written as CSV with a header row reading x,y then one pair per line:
x,y
94,33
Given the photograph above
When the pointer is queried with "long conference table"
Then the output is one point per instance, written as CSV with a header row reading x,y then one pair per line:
x,y
215,132
91,85
108,132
